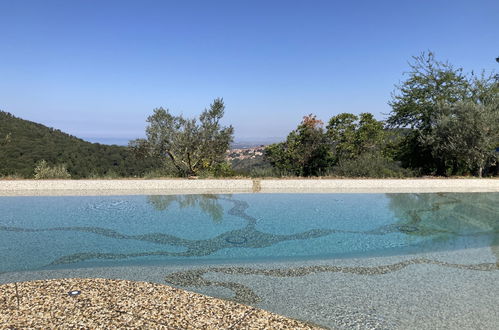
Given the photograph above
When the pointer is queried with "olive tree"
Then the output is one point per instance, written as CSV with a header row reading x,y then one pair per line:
x,y
468,133
187,146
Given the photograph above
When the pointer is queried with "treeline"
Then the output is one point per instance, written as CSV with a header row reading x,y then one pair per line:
x,y
25,144
443,122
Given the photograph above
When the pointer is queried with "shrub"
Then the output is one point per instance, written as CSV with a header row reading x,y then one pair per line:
x,y
370,166
44,171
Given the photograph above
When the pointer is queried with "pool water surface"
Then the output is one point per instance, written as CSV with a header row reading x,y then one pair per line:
x,y
38,233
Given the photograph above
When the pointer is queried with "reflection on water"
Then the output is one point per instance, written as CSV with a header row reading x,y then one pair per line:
x,y
208,203
446,215
412,221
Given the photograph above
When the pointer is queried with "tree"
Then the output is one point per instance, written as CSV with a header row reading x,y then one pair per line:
x,y
467,133
451,117
305,151
351,135
44,171
186,145
360,147
414,105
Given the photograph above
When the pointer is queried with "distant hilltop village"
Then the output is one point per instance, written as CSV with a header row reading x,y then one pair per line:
x,y
246,153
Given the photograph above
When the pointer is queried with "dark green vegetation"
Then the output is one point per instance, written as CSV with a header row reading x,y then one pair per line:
x,y
350,145
185,146
28,143
443,122
252,167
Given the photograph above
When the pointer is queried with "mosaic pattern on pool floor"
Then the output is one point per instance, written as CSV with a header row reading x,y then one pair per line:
x,y
439,217
244,294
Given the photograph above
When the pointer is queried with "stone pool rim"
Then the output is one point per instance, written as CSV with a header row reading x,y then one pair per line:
x,y
224,186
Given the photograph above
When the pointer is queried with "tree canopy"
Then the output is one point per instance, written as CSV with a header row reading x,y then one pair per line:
x,y
187,146
350,136
350,145
449,114
305,151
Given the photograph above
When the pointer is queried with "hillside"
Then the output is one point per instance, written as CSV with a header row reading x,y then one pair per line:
x,y
31,142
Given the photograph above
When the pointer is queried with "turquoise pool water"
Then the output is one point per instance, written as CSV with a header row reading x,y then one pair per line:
x,y
72,232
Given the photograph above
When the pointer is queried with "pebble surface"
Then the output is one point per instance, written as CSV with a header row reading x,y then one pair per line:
x,y
105,303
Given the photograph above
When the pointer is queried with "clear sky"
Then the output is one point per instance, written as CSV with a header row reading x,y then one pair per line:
x,y
97,68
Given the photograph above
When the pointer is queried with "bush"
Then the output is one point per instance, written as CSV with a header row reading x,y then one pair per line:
x,y
371,166
220,170
44,171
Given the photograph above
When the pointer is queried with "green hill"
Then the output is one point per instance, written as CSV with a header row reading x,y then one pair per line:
x,y
31,142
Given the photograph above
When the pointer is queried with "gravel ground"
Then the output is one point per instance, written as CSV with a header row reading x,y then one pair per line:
x,y
104,304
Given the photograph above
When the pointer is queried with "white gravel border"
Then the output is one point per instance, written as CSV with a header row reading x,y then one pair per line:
x,y
204,186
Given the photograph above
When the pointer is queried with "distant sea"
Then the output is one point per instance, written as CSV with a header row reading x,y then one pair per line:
x,y
117,141
238,143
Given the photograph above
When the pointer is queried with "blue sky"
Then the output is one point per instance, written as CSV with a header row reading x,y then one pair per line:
x,y
96,69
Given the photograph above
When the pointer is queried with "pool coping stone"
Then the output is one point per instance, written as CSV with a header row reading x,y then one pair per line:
x,y
212,186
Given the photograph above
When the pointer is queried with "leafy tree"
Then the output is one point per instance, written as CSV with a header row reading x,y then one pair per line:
x,y
467,134
361,148
341,131
351,135
305,151
186,146
451,116
414,105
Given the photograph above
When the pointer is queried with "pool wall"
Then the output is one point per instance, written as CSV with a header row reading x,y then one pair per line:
x,y
202,186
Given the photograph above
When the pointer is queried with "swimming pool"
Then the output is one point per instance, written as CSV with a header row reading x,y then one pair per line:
x,y
366,261
42,232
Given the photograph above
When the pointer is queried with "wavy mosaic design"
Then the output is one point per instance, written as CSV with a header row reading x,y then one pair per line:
x,y
441,216
244,294
248,237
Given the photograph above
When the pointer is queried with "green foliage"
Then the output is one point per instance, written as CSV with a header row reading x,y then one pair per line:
x,y
430,82
465,136
264,172
31,142
351,136
370,166
351,146
254,167
305,151
436,103
187,147
44,171
222,170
